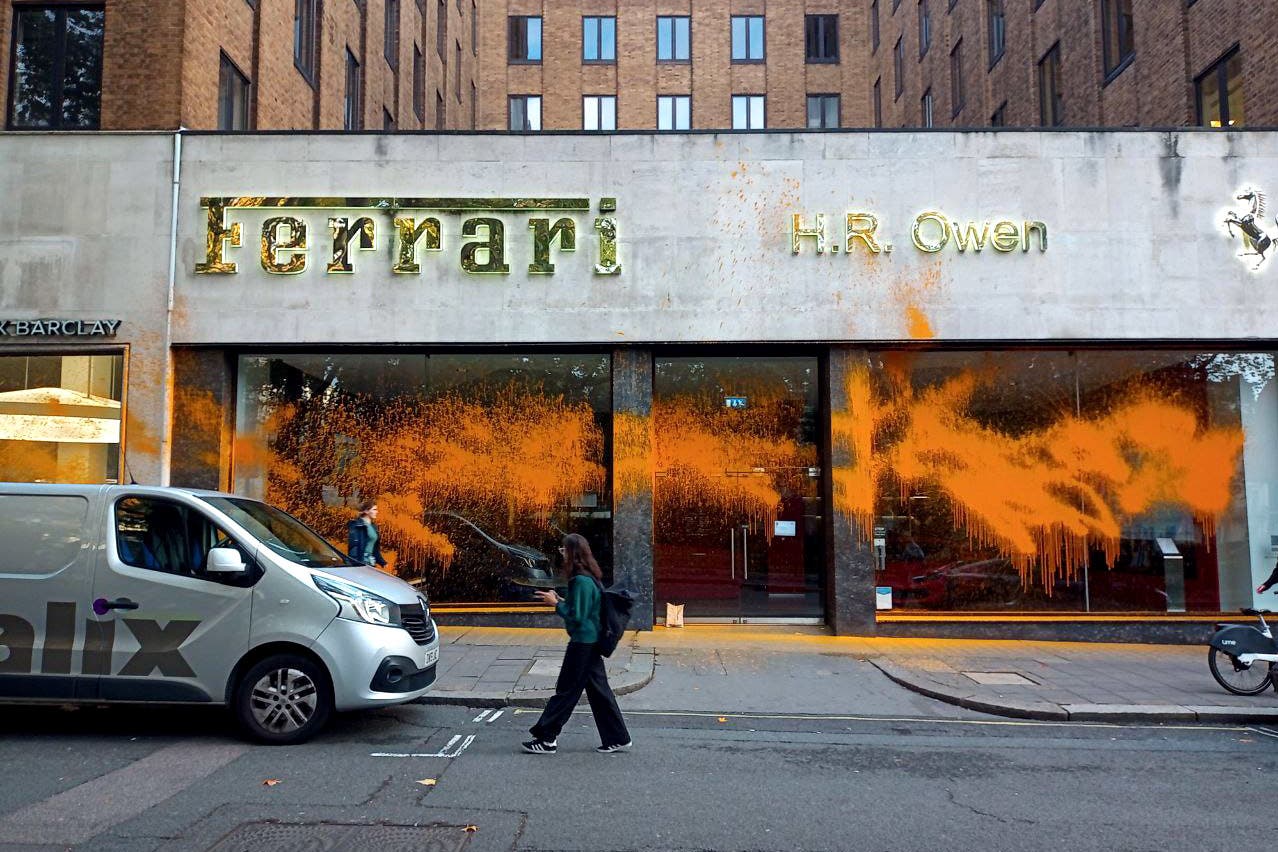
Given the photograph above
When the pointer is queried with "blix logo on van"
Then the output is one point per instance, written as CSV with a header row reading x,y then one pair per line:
x,y
159,647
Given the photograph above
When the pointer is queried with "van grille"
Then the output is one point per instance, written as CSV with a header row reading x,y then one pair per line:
x,y
417,623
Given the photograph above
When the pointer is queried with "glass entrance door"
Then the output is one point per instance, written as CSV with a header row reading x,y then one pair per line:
x,y
737,502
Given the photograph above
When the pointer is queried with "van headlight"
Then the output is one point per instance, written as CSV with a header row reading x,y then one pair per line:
x,y
358,604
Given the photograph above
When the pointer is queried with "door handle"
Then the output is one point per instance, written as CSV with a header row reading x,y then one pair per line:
x,y
102,606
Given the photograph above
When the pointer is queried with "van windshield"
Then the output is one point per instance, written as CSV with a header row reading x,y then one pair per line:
x,y
280,531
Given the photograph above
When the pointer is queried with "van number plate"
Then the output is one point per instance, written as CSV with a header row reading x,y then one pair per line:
x,y
432,657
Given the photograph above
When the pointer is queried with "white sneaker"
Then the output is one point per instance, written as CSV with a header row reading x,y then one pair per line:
x,y
609,749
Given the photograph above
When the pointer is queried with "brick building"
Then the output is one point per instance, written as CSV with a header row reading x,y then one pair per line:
x,y
240,64
1103,63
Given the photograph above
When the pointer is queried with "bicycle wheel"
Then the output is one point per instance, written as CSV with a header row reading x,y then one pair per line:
x,y
1238,678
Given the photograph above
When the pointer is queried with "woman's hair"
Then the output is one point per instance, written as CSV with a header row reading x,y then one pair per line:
x,y
365,505
578,559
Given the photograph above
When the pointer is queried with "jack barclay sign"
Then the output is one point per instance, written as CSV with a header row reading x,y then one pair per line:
x,y
286,246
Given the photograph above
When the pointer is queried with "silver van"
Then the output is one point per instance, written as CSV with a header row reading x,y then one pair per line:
x,y
115,593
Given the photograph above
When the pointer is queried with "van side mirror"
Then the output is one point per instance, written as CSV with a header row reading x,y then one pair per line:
x,y
225,560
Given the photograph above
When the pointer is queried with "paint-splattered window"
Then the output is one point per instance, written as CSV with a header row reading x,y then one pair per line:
x,y
60,418
479,463
1056,481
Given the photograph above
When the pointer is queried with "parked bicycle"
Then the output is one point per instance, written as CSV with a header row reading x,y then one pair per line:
x,y
1243,658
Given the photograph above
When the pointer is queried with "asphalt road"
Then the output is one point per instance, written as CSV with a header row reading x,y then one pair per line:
x,y
155,779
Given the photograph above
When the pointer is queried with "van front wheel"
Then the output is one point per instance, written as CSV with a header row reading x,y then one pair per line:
x,y
284,699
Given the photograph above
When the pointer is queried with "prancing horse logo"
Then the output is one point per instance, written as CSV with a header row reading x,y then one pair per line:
x,y
1255,241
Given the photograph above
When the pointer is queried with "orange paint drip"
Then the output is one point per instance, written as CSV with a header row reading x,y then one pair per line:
x,y
918,326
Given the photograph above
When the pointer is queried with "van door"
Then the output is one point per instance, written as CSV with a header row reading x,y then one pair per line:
x,y
176,631
46,572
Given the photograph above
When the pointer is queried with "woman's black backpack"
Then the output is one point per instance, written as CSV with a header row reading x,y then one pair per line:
x,y
614,615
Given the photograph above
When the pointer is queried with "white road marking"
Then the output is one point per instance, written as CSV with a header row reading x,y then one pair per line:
x,y
481,716
812,717
494,716
1264,732
443,752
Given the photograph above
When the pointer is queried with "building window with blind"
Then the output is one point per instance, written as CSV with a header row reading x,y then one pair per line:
x,y
525,113
1218,92
57,68
1117,39
674,38
1051,109
234,95
925,28
599,112
674,112
821,39
957,93
525,39
823,111
926,108
599,39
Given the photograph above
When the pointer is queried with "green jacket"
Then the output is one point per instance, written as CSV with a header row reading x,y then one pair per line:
x,y
580,611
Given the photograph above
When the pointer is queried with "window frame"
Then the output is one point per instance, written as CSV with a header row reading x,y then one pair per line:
x,y
925,28
927,109
306,32
876,98
1051,61
599,113
599,39
511,22
1000,113
1112,15
419,83
391,34
59,65
875,35
822,22
525,100
763,40
247,579
225,65
674,113
898,67
995,10
823,98
1219,69
353,109
749,98
674,38
958,93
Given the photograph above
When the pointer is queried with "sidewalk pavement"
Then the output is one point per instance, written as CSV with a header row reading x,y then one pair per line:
x,y
804,671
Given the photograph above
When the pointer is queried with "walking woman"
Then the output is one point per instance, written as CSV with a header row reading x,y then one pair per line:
x,y
583,666
362,540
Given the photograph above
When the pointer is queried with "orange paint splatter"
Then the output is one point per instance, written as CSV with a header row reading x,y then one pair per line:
x,y
919,327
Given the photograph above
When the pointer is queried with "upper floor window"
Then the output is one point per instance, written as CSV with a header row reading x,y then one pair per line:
x,y
674,38
823,111
874,25
925,28
57,68
441,31
234,95
352,113
821,38
926,109
878,102
999,118
1117,40
525,112
957,93
392,33
674,112
747,112
898,65
457,73
599,39
599,112
1051,109
388,121
525,38
419,83
747,38
996,23
305,13
1218,93
474,28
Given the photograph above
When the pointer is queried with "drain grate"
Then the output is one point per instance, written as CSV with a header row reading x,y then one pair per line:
x,y
1000,678
338,837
